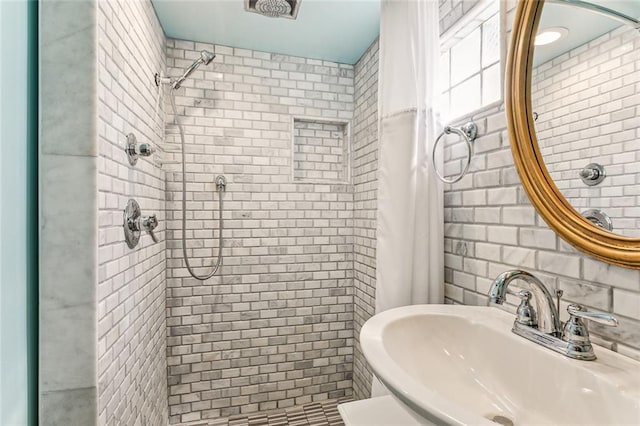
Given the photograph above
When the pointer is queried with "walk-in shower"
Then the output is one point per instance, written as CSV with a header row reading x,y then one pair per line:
x,y
221,183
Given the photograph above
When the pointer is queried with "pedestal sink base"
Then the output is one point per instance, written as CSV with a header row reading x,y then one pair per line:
x,y
379,411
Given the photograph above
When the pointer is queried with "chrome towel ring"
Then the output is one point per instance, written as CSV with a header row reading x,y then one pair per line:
x,y
468,132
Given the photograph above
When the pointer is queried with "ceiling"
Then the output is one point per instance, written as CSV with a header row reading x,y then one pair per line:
x,y
583,25
332,30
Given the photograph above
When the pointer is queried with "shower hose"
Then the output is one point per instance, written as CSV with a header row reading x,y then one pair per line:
x,y
184,205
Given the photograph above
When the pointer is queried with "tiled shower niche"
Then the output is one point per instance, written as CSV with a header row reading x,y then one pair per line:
x,y
320,150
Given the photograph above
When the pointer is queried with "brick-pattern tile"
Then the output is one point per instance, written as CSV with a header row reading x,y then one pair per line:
x,y
274,329
313,414
587,103
320,151
131,310
365,168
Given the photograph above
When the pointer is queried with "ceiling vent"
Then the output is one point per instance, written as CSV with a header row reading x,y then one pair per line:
x,y
274,8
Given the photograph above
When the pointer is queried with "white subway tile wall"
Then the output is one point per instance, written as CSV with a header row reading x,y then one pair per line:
x,y
491,227
274,329
131,337
320,151
365,180
587,103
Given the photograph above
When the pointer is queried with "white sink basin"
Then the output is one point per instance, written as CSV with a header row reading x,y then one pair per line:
x,y
462,365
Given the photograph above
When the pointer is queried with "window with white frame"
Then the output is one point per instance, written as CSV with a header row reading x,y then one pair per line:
x,y
470,64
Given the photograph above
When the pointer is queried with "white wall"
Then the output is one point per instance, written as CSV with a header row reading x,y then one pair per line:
x,y
365,181
132,368
13,218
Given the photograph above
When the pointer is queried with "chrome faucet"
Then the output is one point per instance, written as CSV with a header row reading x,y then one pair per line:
x,y
542,325
548,320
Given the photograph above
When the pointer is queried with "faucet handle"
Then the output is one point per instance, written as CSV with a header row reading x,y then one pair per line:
x,y
576,334
526,313
520,293
577,311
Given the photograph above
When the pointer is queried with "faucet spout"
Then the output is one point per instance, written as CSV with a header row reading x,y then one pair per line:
x,y
548,318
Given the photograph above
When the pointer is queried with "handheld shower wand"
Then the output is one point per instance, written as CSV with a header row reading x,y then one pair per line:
x,y
205,58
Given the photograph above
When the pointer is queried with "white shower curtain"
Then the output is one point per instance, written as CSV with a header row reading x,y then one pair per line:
x,y
410,240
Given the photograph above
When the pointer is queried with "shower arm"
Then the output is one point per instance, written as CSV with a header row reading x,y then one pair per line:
x,y
205,58
174,82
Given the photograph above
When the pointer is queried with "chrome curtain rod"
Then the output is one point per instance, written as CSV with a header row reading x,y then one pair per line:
x,y
620,17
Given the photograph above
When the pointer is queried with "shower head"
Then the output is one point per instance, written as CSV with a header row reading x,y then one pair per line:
x,y
273,8
205,58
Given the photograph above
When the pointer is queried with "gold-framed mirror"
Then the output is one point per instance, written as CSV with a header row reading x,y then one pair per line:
x,y
547,198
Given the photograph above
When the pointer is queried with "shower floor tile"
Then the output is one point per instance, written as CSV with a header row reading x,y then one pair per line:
x,y
323,413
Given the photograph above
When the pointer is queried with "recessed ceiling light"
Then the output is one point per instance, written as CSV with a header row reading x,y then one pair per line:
x,y
550,35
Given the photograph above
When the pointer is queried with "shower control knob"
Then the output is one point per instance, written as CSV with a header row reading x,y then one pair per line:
x,y
592,174
134,223
135,150
149,223
145,149
589,174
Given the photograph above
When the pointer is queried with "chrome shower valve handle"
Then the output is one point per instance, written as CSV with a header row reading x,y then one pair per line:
x,y
134,223
149,223
135,150
592,174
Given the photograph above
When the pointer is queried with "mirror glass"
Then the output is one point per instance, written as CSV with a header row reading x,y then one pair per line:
x,y
586,101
